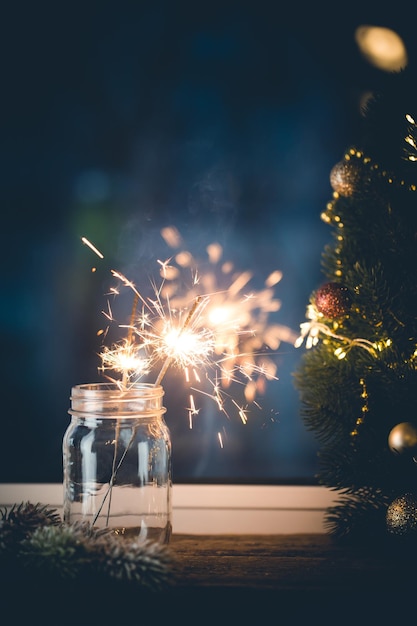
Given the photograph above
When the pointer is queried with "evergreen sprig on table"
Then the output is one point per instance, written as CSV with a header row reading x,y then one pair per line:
x,y
34,541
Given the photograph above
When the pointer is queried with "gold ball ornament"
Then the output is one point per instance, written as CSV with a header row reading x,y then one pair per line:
x,y
403,439
344,178
401,518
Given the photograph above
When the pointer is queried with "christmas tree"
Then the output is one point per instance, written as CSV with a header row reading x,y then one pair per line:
x,y
358,378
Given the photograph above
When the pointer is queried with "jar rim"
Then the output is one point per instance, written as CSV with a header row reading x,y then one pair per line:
x,y
108,388
108,399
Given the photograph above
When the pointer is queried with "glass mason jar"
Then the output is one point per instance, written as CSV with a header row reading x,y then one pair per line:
x,y
117,461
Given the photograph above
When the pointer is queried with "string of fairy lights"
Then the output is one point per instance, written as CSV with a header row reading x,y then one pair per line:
x,y
345,176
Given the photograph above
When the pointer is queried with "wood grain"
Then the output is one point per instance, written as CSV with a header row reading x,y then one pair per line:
x,y
234,580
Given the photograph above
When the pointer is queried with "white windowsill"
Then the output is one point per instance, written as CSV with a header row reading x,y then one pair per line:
x,y
217,509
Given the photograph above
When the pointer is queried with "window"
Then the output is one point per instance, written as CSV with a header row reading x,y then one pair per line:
x,y
227,131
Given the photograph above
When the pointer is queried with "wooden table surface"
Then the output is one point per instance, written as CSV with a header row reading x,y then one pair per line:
x,y
283,562
292,580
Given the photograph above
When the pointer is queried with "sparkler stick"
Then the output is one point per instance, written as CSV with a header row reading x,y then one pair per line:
x,y
124,380
111,482
130,332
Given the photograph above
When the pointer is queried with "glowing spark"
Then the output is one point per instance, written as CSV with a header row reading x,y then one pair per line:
x,y
109,313
128,283
192,411
182,345
242,412
126,358
172,236
185,346
273,279
93,248
168,271
214,251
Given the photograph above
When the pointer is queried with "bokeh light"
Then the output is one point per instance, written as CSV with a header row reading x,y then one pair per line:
x,y
382,47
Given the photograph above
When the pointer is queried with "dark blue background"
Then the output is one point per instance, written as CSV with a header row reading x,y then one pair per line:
x,y
223,119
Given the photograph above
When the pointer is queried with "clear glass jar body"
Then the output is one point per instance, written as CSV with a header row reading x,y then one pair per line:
x,y
117,461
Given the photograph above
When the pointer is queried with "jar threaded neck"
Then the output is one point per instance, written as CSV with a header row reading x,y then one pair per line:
x,y
108,399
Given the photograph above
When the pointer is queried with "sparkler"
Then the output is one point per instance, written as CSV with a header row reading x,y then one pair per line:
x,y
236,314
218,324
226,328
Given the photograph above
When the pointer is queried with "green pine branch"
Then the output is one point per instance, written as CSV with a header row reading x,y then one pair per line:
x,y
353,393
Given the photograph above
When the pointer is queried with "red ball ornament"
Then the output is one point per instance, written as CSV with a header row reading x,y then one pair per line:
x,y
333,300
